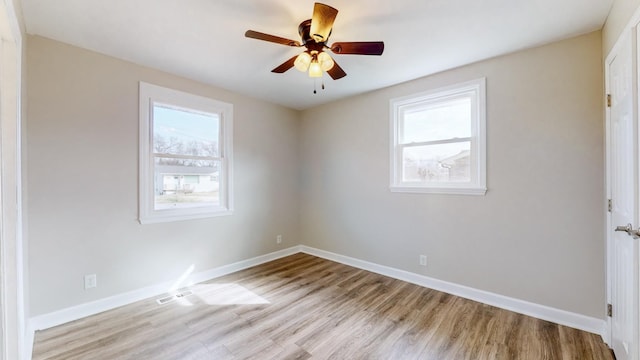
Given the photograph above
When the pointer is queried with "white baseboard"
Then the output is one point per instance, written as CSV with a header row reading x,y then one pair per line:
x,y
606,332
27,345
45,321
562,317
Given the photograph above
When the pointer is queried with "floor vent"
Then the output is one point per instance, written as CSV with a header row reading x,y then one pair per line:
x,y
184,293
170,298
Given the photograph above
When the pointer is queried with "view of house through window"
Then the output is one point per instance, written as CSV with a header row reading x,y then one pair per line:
x,y
186,158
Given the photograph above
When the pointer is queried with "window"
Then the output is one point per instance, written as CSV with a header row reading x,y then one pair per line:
x,y
438,141
185,155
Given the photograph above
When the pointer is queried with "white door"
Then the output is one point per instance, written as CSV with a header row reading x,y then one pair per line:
x,y
622,179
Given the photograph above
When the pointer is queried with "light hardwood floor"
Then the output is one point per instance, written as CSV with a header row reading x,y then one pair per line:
x,y
304,307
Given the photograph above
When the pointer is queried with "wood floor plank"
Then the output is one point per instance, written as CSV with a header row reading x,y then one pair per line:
x,y
304,307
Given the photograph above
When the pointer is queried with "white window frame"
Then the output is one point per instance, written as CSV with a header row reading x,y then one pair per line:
x,y
477,185
151,94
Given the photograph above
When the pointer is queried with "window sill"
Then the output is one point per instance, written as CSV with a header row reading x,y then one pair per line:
x,y
440,190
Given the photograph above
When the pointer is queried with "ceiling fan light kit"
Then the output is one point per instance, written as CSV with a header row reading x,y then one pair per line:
x,y
315,62
314,34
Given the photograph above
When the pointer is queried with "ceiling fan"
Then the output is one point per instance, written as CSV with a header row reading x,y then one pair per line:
x,y
315,33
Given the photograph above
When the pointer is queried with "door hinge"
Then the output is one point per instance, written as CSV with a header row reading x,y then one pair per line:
x,y
609,310
608,100
609,205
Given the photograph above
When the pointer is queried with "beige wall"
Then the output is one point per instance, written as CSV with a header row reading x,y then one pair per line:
x,y
537,235
82,131
620,14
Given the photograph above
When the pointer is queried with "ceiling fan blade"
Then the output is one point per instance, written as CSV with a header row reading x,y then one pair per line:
x,y
285,65
271,38
336,72
358,48
322,22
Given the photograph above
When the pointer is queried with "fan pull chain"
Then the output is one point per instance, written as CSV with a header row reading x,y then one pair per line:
x,y
315,83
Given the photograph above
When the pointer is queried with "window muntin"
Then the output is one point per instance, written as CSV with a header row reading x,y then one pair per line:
x,y
185,155
438,141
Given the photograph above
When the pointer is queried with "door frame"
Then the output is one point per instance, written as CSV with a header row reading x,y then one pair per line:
x,y
13,303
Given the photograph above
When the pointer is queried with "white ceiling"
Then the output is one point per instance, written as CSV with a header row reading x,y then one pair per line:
x,y
204,39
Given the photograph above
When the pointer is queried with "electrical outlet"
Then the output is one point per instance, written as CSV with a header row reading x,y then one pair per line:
x,y
278,239
90,281
423,260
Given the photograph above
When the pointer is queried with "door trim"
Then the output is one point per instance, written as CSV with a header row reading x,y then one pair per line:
x,y
12,247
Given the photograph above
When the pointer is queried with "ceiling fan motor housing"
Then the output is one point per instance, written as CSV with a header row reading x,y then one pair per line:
x,y
307,40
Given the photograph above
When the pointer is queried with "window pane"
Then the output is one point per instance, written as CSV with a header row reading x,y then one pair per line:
x,y
444,120
437,163
186,183
182,132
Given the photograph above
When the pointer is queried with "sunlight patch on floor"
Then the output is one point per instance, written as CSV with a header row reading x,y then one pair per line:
x,y
222,294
